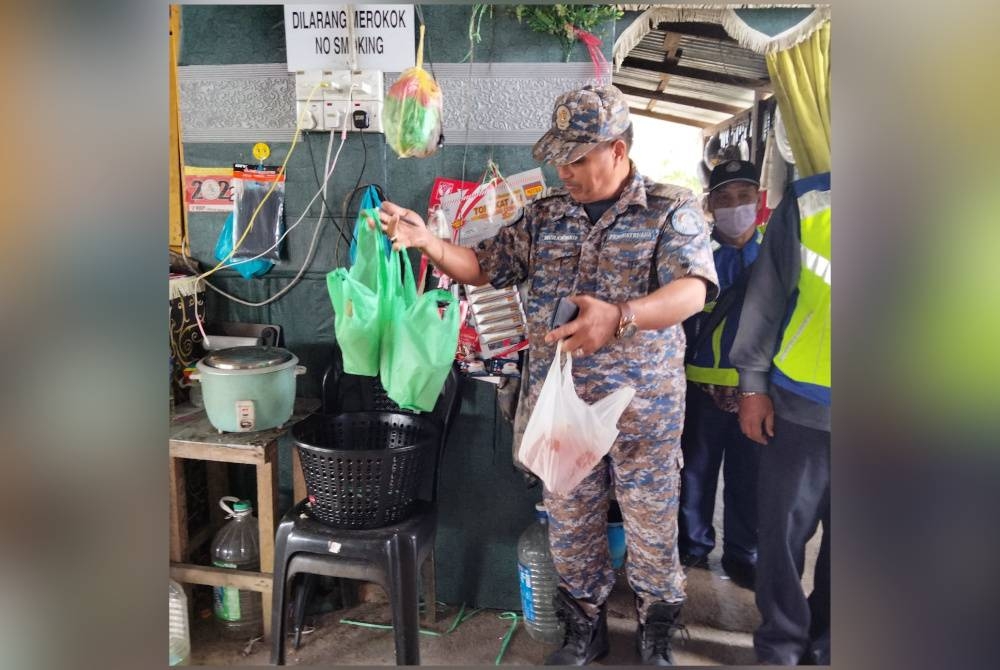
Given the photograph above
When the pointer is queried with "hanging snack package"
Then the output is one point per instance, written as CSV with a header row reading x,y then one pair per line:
x,y
258,211
412,115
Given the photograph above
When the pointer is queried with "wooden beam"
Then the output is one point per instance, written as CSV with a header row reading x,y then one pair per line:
x,y
210,576
671,42
679,99
638,111
713,31
695,73
736,119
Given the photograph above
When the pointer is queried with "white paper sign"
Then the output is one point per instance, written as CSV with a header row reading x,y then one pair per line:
x,y
316,37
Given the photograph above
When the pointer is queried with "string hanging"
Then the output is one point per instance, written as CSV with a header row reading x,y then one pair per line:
x,y
593,44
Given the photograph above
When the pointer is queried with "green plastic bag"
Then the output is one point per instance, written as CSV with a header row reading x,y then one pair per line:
x,y
360,300
418,344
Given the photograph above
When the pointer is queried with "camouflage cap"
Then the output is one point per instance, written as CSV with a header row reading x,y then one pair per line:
x,y
581,120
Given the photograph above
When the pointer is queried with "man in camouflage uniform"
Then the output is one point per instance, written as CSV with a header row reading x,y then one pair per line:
x,y
634,256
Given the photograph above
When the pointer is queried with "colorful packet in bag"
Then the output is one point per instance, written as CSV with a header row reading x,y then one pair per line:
x,y
412,115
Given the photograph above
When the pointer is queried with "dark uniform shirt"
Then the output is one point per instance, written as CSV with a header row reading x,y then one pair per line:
x,y
653,234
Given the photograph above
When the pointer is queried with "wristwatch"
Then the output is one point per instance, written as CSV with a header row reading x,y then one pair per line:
x,y
626,323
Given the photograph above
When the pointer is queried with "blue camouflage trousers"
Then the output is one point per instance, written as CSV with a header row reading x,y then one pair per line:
x,y
646,477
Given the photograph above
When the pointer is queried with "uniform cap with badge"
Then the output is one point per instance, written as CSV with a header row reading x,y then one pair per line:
x,y
733,170
581,120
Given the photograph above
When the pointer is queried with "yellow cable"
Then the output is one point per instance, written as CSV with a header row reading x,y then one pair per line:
x,y
274,184
420,47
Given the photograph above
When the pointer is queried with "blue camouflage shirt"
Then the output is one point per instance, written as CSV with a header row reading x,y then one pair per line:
x,y
653,234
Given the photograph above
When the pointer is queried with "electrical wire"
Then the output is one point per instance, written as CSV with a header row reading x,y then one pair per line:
x,y
513,618
382,626
319,182
312,245
274,184
319,193
357,185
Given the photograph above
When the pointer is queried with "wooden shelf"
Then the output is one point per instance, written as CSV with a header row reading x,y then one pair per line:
x,y
193,436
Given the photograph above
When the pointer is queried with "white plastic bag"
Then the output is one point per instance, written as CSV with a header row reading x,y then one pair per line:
x,y
565,437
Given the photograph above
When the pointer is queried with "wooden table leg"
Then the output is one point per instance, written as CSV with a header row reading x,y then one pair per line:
x,y
298,479
178,512
267,496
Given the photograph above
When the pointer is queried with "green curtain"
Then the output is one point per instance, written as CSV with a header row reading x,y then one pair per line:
x,y
801,79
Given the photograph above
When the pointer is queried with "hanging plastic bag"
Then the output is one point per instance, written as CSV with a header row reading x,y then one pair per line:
x,y
566,437
247,268
369,200
360,301
258,211
412,114
418,344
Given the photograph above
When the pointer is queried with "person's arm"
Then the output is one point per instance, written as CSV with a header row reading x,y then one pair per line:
x,y
406,228
685,271
597,321
772,282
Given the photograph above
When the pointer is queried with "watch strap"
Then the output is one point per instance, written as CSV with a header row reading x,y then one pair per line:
x,y
627,317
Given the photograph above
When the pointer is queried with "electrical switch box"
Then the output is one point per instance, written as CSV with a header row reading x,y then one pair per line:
x,y
335,96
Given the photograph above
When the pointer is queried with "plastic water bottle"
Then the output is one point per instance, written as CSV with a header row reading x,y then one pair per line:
x,y
180,637
539,581
616,535
236,545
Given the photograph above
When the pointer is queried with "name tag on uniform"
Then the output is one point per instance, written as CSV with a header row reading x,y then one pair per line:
x,y
632,235
559,237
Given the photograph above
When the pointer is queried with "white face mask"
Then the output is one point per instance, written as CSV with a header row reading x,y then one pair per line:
x,y
734,221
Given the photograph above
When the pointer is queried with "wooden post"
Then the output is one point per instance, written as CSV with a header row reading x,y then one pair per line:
x,y
267,495
178,512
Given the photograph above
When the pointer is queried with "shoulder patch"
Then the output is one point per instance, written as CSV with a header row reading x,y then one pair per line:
x,y
687,220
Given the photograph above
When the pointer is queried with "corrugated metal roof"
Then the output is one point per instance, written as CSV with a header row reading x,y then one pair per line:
x,y
718,58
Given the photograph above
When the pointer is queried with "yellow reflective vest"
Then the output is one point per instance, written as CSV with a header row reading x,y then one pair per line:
x,y
804,354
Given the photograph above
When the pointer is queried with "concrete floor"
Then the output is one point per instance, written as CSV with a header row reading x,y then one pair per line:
x,y
720,618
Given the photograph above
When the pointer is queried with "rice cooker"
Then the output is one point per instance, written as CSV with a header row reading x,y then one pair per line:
x,y
248,388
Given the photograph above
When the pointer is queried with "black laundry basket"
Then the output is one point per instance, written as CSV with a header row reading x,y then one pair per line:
x,y
364,469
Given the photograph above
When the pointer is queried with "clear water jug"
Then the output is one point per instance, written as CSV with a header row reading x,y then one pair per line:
x,y
539,581
237,545
180,637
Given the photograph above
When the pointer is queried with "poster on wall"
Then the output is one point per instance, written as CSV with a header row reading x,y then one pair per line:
x,y
319,37
208,189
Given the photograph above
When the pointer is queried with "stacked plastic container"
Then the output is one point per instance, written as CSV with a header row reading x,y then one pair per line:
x,y
539,581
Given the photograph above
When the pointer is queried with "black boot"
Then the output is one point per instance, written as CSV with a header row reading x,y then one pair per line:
x,y
585,639
654,637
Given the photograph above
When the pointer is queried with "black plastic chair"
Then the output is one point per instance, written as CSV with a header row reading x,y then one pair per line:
x,y
391,556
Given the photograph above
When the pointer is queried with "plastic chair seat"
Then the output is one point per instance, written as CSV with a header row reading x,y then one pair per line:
x,y
390,556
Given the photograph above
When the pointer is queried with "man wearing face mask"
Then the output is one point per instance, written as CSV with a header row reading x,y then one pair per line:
x,y
712,435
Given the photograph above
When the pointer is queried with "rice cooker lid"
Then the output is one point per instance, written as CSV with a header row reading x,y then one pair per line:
x,y
247,358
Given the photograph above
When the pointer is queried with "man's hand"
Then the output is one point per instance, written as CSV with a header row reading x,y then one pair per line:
x,y
757,417
404,227
593,327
